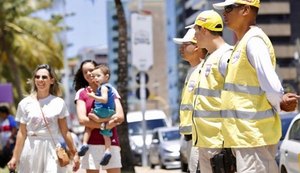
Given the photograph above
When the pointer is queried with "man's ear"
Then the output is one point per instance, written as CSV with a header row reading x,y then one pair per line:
x,y
196,48
246,10
205,30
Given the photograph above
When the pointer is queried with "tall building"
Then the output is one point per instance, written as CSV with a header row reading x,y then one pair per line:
x,y
280,20
158,84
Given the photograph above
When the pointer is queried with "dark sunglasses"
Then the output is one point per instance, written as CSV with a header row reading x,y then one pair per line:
x,y
44,77
229,8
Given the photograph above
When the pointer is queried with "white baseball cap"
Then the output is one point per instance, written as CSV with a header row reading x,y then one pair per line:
x,y
188,37
222,5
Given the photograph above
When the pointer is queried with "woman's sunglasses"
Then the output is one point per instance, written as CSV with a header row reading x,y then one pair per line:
x,y
44,77
229,8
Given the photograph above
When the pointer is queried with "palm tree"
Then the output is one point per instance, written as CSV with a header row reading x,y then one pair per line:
x,y
122,86
26,41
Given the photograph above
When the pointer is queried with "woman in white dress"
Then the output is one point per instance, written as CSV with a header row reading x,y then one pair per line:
x,y
42,114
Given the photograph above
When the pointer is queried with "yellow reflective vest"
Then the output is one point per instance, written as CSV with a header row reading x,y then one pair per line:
x,y
249,119
207,101
186,106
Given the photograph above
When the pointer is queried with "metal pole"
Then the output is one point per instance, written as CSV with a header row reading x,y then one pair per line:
x,y
297,59
143,102
143,109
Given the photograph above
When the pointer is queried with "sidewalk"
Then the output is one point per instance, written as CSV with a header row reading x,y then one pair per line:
x,y
139,169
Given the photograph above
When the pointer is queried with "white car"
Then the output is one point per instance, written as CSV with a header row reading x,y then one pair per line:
x,y
164,148
154,119
290,148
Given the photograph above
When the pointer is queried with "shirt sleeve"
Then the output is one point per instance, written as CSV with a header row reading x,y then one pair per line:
x,y
267,77
20,114
64,111
116,93
224,63
77,95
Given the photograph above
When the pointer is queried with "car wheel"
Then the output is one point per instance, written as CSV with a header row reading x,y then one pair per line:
x,y
162,166
184,167
152,166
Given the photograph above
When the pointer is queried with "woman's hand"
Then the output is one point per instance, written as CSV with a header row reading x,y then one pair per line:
x,y
76,162
12,164
94,117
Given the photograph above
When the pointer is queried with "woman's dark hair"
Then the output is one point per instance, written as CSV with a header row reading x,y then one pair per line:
x,y
54,88
79,80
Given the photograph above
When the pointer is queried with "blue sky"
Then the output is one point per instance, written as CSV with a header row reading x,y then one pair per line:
x,y
88,23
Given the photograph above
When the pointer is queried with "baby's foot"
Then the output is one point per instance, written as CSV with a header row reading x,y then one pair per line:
x,y
83,150
105,159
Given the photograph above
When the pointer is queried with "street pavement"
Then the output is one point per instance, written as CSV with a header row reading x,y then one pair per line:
x,y
139,169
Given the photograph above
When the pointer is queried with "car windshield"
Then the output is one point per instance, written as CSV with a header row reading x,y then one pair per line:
x,y
286,119
285,125
170,135
135,128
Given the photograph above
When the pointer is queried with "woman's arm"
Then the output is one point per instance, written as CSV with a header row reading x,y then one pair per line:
x,y
62,124
82,118
21,136
63,127
118,117
114,120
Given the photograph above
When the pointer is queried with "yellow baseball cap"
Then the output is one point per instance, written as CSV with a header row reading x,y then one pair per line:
x,y
210,20
188,37
221,5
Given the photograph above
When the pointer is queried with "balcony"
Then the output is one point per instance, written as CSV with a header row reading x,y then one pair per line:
x,y
287,73
284,51
274,8
276,29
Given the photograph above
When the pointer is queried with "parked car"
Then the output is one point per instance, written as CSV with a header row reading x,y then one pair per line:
x,y
290,148
286,119
154,119
164,148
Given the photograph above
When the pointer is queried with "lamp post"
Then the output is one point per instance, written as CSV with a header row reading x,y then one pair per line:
x,y
297,65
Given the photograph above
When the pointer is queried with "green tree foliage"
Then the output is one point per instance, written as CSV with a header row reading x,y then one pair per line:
x,y
26,41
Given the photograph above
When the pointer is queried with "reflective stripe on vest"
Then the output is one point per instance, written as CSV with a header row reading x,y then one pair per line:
x,y
247,115
185,129
207,114
186,107
208,92
243,89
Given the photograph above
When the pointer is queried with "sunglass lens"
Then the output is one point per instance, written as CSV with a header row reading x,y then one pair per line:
x,y
43,77
228,8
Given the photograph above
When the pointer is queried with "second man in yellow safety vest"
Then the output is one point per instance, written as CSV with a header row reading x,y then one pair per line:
x,y
207,99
